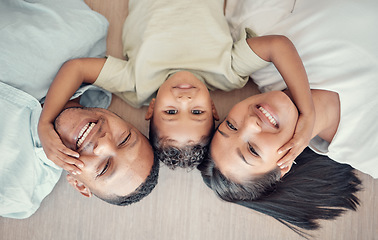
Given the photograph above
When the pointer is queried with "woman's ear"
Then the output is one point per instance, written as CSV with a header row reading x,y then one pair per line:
x,y
150,110
214,110
79,186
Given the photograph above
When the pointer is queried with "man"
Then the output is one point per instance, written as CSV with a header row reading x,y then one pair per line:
x,y
113,151
31,51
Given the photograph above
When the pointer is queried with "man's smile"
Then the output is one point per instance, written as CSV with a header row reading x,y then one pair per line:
x,y
84,132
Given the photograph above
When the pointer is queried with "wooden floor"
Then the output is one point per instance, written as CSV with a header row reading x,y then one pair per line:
x,y
181,207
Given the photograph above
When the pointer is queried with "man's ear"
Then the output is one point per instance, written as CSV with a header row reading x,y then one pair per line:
x,y
79,186
214,110
150,110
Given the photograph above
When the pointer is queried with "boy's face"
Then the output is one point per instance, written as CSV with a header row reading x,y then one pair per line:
x,y
183,111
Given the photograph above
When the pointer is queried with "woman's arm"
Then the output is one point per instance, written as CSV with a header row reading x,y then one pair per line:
x,y
281,52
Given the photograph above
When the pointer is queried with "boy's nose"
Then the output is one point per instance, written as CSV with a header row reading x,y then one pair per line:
x,y
184,98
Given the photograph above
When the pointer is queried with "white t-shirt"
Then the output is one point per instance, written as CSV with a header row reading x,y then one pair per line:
x,y
161,37
337,43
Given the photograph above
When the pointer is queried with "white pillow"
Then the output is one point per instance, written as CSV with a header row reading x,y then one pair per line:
x,y
37,37
328,34
258,15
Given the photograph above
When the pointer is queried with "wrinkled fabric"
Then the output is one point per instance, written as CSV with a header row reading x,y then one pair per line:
x,y
36,38
337,42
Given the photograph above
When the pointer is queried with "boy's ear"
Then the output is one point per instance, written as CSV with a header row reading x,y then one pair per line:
x,y
150,110
214,110
79,186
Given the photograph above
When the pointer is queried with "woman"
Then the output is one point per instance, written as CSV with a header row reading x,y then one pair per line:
x,y
341,60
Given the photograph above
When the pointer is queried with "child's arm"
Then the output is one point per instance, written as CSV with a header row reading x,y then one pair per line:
x,y
69,78
281,52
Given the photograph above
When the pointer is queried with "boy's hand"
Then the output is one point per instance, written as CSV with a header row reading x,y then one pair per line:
x,y
298,143
56,151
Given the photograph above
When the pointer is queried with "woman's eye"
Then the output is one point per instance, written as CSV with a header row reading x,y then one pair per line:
x,y
197,111
252,150
171,111
125,140
231,126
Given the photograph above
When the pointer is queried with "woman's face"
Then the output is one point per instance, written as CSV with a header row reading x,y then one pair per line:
x,y
247,141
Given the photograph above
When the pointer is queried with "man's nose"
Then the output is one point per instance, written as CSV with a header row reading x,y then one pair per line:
x,y
105,146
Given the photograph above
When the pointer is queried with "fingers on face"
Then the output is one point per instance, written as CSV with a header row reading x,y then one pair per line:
x,y
70,164
287,160
286,147
69,152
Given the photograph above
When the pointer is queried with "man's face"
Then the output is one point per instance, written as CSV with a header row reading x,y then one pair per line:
x,y
117,157
183,110
246,143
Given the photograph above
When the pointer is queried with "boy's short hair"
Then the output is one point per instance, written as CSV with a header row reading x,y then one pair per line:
x,y
189,156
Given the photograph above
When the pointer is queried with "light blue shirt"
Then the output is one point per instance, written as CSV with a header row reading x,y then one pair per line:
x,y
36,38
26,175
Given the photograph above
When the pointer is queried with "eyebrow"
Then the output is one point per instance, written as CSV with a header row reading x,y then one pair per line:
x,y
109,176
135,142
241,156
223,133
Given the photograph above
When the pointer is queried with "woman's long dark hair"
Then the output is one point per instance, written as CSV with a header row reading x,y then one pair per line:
x,y
315,188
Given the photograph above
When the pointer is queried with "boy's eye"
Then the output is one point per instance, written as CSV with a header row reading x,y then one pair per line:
x,y
197,112
171,111
230,126
252,150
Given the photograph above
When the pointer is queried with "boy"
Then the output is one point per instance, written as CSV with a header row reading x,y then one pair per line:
x,y
178,48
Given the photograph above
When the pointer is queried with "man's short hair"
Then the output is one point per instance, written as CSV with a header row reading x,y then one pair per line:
x,y
142,191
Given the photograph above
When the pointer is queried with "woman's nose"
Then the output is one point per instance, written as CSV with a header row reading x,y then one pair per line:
x,y
253,124
105,146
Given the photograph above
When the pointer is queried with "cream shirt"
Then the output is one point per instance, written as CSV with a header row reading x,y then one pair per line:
x,y
165,36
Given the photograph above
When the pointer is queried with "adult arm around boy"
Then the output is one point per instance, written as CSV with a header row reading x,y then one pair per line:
x,y
281,52
69,78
